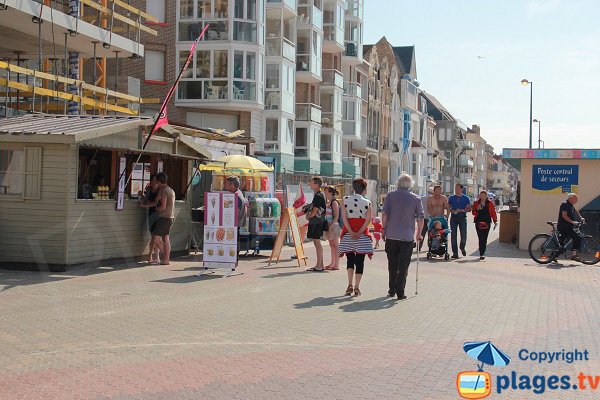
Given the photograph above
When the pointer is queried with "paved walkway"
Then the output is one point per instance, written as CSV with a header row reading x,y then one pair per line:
x,y
155,332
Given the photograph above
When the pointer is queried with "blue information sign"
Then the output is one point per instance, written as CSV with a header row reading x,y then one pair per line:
x,y
549,179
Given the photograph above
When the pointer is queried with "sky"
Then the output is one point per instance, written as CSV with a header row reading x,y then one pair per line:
x,y
553,43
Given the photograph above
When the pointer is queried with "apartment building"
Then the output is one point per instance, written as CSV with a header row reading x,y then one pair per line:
x,y
55,56
275,69
478,180
451,134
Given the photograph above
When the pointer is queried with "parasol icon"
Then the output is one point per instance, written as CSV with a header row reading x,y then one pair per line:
x,y
486,353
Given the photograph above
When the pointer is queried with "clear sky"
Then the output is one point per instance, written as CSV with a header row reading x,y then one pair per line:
x,y
554,43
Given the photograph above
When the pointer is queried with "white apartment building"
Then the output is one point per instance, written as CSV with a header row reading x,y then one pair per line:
x,y
275,69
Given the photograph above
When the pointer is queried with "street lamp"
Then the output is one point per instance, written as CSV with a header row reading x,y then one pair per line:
x,y
539,132
525,82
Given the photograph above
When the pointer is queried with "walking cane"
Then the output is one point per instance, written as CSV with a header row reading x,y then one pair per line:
x,y
417,278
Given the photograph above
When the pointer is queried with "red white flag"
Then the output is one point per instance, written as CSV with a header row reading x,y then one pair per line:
x,y
299,202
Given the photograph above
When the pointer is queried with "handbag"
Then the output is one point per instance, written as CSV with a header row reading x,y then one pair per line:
x,y
483,225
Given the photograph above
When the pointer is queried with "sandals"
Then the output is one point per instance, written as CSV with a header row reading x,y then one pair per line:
x,y
331,268
349,290
315,269
357,291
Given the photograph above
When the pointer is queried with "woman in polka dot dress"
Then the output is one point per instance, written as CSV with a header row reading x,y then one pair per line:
x,y
356,241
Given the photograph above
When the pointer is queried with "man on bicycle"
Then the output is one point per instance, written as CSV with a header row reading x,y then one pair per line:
x,y
568,217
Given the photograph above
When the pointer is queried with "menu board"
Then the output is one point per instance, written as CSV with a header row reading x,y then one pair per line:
x,y
220,231
121,192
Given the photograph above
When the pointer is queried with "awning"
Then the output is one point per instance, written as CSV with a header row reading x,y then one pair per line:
x,y
189,141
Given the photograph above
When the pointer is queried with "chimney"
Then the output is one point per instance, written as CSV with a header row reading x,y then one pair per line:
x,y
476,129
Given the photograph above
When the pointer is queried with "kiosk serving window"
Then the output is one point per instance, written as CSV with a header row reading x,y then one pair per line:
x,y
98,173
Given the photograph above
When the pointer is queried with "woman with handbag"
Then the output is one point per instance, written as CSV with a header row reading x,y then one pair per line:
x,y
484,212
315,213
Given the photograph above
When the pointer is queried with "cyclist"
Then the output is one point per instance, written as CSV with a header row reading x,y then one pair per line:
x,y
568,216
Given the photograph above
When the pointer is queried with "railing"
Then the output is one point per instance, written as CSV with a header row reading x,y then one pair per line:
x,y
308,112
42,82
465,161
351,49
352,89
333,77
290,3
98,14
466,144
373,141
331,120
281,47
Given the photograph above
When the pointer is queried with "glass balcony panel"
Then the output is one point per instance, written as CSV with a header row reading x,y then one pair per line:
x,y
317,17
352,89
302,63
332,77
217,31
244,90
189,90
300,152
244,31
289,51
308,112
273,100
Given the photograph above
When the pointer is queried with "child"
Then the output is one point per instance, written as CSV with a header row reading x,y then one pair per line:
x,y
377,230
435,233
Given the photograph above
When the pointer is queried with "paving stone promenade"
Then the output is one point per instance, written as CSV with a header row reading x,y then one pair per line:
x,y
159,332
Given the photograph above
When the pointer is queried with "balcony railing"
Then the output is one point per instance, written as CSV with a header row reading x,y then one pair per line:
x,y
332,77
467,179
331,120
290,3
373,141
352,89
465,161
281,47
308,112
466,144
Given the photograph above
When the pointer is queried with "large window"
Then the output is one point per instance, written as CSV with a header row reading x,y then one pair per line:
x,y
155,65
12,168
156,8
272,130
301,145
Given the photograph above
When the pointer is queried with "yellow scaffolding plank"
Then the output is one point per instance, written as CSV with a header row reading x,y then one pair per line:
x,y
135,10
44,75
118,16
67,96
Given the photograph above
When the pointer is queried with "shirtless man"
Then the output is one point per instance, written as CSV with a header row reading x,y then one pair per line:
x,y
437,205
165,200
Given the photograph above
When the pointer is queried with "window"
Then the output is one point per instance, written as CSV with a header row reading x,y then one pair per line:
x,y
12,167
272,130
20,172
221,8
203,8
290,131
155,65
301,139
220,64
140,177
186,8
156,8
272,76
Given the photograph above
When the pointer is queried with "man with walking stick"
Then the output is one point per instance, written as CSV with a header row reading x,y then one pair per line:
x,y
402,210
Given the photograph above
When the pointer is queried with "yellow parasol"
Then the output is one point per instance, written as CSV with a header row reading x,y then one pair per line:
x,y
244,163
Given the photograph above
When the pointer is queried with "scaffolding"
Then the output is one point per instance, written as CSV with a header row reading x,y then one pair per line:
x,y
56,84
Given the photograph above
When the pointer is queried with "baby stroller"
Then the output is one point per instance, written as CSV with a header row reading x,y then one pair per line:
x,y
437,242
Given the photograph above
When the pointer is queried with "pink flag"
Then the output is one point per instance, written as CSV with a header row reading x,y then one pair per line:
x,y
162,120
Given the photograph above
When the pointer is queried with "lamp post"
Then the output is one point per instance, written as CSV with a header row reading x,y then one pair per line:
x,y
539,132
525,82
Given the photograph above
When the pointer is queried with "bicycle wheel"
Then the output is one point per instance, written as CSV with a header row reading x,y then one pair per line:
x,y
590,250
543,248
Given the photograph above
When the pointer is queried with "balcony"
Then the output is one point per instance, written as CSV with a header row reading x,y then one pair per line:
x,y
467,179
281,47
332,78
466,144
308,112
373,142
465,161
291,4
352,89
408,95
329,120
310,15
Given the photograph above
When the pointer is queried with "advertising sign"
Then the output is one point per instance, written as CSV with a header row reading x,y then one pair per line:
x,y
220,231
555,179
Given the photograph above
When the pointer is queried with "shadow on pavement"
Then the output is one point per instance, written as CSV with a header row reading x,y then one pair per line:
x,y
561,266
188,279
284,274
380,303
323,301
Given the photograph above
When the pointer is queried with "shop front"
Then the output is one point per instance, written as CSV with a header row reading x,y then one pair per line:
x,y
59,186
547,175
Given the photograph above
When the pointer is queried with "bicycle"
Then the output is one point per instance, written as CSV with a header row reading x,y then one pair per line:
x,y
545,248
